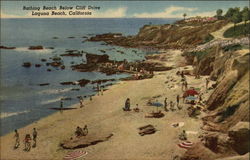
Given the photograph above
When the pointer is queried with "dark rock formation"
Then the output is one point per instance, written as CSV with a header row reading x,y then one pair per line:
x,y
56,64
72,54
93,58
84,67
35,47
105,37
83,82
239,137
67,83
85,141
101,81
4,47
199,152
27,64
44,84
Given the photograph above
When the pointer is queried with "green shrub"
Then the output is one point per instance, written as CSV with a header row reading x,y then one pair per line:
x,y
233,47
208,38
240,30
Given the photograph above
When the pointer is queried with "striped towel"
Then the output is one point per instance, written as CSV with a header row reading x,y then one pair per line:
x,y
185,144
75,155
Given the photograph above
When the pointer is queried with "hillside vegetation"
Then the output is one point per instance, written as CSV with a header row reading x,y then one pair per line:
x,y
239,30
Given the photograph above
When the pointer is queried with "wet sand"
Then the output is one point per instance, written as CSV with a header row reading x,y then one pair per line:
x,y
104,114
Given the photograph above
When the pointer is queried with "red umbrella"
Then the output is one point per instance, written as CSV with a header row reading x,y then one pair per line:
x,y
190,92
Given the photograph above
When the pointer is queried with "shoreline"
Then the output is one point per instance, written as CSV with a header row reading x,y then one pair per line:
x,y
104,114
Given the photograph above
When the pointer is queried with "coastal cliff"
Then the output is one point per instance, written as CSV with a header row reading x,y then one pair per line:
x,y
226,124
177,36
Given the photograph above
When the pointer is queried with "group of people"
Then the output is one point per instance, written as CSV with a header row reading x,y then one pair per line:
x,y
127,106
27,140
81,131
172,104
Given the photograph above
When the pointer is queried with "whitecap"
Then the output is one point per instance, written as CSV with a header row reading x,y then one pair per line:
x,y
9,114
54,91
51,100
23,49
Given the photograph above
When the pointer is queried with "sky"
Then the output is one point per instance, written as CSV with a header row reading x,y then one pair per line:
x,y
121,9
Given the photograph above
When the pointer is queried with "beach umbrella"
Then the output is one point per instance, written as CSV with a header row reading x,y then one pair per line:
x,y
191,98
185,145
191,92
75,155
157,104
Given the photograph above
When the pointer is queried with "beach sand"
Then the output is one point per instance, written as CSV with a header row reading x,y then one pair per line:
x,y
104,114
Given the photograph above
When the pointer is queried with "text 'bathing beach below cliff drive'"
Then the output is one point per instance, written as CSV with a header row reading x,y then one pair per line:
x,y
177,91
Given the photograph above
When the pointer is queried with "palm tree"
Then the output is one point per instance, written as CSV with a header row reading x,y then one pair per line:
x,y
184,15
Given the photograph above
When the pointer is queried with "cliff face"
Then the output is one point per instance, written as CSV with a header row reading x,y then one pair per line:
x,y
227,121
165,36
176,36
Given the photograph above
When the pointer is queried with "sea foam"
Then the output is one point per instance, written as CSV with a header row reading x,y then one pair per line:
x,y
9,114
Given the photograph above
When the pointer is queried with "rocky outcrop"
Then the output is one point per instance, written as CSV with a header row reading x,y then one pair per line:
x,y
35,47
94,58
164,36
5,47
239,137
199,152
227,120
85,141
27,64
243,157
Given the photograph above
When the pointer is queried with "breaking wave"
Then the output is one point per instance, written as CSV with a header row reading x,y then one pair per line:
x,y
9,114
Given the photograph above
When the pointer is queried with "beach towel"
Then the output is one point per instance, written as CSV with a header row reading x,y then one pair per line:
x,y
185,144
75,155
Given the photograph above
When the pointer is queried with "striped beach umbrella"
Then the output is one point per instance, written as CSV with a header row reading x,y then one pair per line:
x,y
75,155
185,144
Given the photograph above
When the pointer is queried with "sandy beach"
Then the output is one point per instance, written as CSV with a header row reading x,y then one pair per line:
x,y
104,114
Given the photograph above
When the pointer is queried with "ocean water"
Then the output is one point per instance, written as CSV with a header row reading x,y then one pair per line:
x,y
22,100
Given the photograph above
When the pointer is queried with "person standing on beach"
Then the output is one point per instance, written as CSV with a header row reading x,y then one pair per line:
x,y
27,142
17,143
34,137
85,130
127,105
186,85
166,104
177,100
61,105
98,89
81,102
182,85
172,106
101,90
